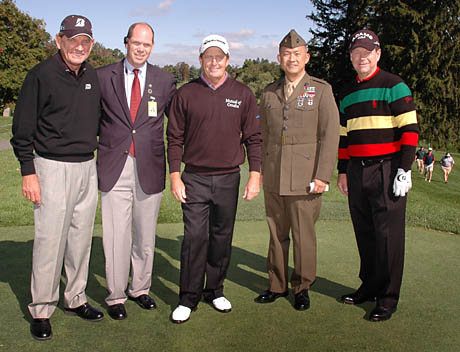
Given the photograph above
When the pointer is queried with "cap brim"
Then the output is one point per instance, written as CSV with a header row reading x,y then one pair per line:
x,y
217,45
368,46
71,35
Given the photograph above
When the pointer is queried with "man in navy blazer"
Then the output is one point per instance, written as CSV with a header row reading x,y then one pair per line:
x,y
131,167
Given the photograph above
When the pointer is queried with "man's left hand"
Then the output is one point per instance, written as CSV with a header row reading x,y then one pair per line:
x,y
253,186
402,183
320,186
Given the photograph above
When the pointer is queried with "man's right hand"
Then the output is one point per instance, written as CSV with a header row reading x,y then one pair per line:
x,y
177,187
342,183
31,188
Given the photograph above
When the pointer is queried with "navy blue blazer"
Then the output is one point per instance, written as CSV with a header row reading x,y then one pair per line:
x,y
117,129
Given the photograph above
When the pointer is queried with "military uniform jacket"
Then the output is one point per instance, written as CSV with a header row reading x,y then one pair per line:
x,y
300,135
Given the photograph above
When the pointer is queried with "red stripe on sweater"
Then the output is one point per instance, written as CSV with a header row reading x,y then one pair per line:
x,y
343,153
409,138
370,150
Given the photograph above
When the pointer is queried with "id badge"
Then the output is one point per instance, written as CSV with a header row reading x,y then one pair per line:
x,y
153,111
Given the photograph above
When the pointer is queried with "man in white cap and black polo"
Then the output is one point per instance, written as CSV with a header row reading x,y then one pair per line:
x,y
55,129
212,120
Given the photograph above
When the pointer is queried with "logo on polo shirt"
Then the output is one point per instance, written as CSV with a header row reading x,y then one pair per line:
x,y
233,103
87,86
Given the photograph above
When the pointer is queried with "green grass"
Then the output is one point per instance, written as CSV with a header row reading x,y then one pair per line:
x,y
5,128
432,205
427,317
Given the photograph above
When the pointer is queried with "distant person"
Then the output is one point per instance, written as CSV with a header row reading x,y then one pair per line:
x,y
131,168
428,160
447,164
419,156
212,120
55,129
378,139
300,129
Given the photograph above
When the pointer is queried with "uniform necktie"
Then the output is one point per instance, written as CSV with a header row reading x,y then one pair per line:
x,y
289,89
134,104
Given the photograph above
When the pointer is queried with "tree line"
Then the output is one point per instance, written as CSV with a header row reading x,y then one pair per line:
x,y
420,43
419,38
24,42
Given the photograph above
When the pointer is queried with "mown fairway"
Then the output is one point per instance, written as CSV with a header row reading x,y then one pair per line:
x,y
427,318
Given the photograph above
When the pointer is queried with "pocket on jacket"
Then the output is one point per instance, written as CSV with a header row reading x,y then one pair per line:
x,y
303,164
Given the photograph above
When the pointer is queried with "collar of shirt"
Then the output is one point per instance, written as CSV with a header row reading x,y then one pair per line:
x,y
129,78
66,67
359,80
295,83
210,85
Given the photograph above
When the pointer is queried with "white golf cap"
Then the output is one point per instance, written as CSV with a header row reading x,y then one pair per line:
x,y
214,40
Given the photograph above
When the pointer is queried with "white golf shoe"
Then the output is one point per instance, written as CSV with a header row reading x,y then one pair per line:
x,y
222,304
181,314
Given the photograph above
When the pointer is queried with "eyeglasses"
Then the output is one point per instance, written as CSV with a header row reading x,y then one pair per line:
x,y
210,58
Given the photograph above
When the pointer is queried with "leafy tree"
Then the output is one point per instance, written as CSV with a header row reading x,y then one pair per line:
x,y
420,42
24,42
100,55
22,46
257,73
423,47
183,72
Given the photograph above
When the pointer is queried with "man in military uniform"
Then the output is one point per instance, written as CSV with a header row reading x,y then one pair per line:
x,y
300,129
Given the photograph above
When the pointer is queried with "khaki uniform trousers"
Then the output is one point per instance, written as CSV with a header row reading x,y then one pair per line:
x,y
63,232
123,206
297,214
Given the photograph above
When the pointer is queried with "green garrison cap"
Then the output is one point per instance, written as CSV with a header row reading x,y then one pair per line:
x,y
292,40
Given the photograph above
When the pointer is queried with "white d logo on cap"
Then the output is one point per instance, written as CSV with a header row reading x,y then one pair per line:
x,y
80,22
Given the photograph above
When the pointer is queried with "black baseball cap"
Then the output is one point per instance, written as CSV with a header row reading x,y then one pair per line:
x,y
364,38
74,25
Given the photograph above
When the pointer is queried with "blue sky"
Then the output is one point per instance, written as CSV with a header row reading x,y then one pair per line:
x,y
253,28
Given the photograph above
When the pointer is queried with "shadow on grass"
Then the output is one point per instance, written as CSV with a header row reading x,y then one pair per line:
x,y
240,259
17,262
16,258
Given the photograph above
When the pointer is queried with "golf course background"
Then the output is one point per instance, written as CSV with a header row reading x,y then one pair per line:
x,y
427,318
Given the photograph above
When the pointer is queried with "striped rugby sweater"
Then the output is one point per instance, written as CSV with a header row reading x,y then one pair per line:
x,y
377,119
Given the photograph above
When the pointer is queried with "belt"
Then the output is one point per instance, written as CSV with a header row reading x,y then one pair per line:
x,y
370,162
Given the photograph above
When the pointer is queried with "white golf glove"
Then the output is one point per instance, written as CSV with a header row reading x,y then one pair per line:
x,y
402,183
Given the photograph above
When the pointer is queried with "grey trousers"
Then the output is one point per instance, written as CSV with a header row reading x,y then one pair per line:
x,y
123,206
63,231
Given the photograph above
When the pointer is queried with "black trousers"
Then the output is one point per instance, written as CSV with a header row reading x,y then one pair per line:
x,y
209,218
379,223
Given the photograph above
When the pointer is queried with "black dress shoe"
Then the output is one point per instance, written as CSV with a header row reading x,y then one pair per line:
x,y
302,301
144,301
269,296
356,298
381,313
41,329
86,312
117,311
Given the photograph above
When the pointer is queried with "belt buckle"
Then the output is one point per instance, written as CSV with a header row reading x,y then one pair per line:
x,y
370,162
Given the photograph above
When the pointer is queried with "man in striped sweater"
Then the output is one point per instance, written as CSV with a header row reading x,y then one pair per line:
x,y
378,138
